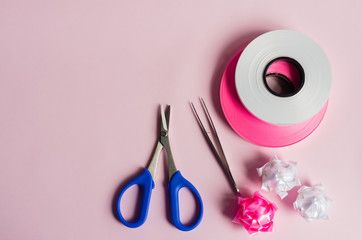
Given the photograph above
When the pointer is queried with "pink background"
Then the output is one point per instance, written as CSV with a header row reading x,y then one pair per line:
x,y
80,84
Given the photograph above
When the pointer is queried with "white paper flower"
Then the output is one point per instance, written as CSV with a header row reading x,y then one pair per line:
x,y
312,202
279,176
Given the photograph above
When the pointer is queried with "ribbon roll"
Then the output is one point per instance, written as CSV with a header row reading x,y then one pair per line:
x,y
260,112
307,58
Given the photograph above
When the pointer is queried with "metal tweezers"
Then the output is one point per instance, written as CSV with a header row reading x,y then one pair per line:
x,y
217,150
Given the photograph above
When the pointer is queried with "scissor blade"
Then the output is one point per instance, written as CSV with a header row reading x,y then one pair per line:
x,y
152,167
168,110
165,117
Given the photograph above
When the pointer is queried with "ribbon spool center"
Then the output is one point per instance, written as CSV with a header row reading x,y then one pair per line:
x,y
283,77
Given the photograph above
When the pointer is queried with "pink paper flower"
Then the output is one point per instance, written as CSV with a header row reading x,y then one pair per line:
x,y
256,214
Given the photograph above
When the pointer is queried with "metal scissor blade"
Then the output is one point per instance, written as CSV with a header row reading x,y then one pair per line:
x,y
152,167
165,118
165,121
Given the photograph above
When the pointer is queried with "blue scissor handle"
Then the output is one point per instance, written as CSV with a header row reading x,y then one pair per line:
x,y
177,182
146,183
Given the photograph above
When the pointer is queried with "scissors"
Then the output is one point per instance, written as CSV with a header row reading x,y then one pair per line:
x,y
147,182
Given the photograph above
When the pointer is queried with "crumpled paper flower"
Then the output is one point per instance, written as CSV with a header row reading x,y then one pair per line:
x,y
279,176
312,202
256,214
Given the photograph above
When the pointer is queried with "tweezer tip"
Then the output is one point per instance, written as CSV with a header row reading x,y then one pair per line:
x,y
192,106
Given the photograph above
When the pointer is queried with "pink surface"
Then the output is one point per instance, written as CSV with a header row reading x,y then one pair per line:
x,y
80,85
252,128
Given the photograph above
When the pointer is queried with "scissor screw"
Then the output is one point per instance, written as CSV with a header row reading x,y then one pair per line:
x,y
163,134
